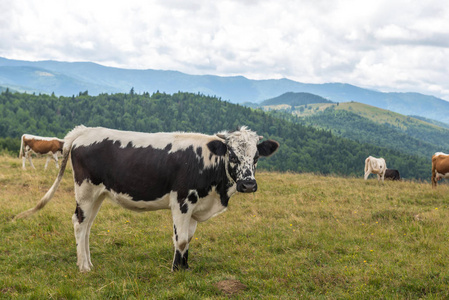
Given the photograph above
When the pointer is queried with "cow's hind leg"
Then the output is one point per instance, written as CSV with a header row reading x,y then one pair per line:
x,y
367,174
55,158
87,207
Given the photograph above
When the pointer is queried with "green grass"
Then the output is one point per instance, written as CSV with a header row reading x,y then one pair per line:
x,y
300,236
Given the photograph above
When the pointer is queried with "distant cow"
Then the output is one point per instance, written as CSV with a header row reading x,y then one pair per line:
x,y
375,166
392,174
50,146
192,174
440,167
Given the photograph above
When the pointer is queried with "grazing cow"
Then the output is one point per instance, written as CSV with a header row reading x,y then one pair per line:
x,y
50,146
192,174
440,167
392,174
375,166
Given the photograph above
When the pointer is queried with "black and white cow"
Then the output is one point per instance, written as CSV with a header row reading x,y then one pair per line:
x,y
192,174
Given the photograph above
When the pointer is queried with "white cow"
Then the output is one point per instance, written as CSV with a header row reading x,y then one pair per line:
x,y
375,166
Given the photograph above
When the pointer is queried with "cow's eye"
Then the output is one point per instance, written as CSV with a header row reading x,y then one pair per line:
x,y
256,158
233,158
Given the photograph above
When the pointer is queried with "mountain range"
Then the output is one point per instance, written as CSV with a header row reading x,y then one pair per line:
x,y
71,78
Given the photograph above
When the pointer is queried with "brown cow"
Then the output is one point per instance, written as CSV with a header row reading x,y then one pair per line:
x,y
440,167
50,146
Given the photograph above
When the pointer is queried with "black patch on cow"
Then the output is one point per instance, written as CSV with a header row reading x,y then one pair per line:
x,y
79,214
193,198
180,261
199,151
184,207
233,171
217,147
168,147
176,232
146,173
204,192
266,148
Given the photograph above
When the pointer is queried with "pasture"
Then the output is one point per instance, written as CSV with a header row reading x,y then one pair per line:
x,y
299,236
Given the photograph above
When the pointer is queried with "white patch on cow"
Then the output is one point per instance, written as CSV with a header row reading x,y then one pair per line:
x,y
440,153
208,207
441,175
40,138
159,140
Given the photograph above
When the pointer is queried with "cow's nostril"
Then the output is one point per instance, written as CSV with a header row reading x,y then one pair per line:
x,y
248,186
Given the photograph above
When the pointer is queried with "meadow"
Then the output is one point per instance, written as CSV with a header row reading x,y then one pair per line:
x,y
300,236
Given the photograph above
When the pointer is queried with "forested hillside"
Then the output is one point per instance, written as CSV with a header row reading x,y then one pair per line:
x,y
414,140
303,149
368,124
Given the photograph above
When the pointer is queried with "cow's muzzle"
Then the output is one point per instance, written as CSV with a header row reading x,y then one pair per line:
x,y
247,186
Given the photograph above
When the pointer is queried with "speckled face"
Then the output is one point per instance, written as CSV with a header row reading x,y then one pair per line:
x,y
242,158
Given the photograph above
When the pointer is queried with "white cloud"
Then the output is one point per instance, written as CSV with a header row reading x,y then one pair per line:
x,y
394,45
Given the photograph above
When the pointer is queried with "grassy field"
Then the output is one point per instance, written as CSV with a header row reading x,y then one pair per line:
x,y
300,236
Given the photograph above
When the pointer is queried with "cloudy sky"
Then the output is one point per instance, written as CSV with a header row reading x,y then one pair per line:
x,y
388,45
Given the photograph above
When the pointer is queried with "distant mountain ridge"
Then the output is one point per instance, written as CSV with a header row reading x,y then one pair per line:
x,y
295,99
66,78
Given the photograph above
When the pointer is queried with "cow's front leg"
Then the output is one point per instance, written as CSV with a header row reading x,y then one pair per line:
x,y
183,229
28,156
46,162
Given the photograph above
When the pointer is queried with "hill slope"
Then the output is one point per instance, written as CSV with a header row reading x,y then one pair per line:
x,y
71,78
368,124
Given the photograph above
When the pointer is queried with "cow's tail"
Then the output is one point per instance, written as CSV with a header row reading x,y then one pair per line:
x,y
70,137
21,147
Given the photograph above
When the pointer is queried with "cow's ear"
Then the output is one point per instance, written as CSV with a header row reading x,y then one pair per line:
x,y
217,147
266,148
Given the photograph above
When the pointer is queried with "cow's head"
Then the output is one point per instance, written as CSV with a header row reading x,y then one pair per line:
x,y
241,151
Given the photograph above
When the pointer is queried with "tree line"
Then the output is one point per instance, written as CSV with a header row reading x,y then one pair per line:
x,y
303,148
